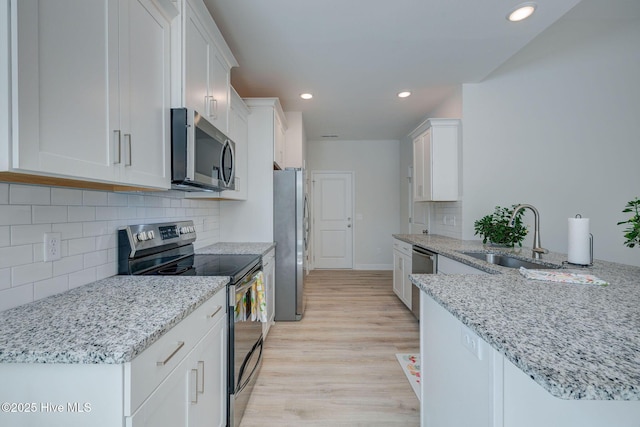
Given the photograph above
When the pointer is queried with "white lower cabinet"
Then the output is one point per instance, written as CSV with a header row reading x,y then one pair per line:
x,y
269,270
401,270
466,382
178,381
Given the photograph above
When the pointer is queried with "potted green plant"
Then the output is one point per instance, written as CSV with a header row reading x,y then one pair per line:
x,y
632,232
495,227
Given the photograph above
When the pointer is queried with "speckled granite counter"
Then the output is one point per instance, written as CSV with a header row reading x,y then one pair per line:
x,y
576,341
257,248
108,321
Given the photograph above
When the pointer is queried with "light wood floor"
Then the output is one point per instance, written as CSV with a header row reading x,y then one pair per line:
x,y
337,366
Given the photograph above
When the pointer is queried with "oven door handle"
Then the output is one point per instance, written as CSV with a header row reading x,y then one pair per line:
x,y
243,288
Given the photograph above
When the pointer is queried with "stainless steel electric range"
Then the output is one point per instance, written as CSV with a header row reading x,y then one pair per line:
x,y
167,249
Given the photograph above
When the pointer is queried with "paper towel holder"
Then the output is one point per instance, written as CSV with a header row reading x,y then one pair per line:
x,y
590,251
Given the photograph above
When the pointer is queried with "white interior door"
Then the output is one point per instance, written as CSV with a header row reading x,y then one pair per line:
x,y
332,219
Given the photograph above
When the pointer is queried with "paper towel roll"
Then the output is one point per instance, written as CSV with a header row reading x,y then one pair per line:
x,y
579,245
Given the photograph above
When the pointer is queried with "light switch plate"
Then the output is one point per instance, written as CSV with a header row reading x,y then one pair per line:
x,y
471,342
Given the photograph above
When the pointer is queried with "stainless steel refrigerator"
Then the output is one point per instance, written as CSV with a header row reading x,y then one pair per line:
x,y
290,228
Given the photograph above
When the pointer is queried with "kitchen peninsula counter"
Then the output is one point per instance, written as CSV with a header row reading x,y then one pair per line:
x,y
579,342
110,321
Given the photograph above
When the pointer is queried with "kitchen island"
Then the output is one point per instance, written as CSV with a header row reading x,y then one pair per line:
x,y
579,343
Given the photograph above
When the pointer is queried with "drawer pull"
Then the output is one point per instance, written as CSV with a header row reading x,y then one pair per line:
x,y
165,361
194,390
215,312
201,373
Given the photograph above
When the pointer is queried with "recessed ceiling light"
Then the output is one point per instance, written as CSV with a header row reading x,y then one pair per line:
x,y
404,94
521,12
306,96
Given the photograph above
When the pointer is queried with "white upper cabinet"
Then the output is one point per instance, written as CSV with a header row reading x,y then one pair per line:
x,y
435,160
91,90
239,133
207,65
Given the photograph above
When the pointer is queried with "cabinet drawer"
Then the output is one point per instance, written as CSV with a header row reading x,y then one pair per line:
x,y
145,372
403,247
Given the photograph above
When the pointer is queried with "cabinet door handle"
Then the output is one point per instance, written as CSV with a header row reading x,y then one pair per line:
x,y
213,106
201,372
127,139
194,390
173,353
218,308
116,143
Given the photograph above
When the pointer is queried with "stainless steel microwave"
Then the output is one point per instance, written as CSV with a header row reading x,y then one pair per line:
x,y
202,157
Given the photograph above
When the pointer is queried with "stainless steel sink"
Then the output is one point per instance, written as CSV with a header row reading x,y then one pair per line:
x,y
507,260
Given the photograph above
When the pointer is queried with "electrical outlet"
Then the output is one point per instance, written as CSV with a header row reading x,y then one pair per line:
x,y
471,342
52,246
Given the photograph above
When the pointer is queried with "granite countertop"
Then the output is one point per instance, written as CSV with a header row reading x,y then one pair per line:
x,y
237,248
576,341
108,321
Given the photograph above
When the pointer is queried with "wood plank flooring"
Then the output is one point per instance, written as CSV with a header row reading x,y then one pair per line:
x,y
337,366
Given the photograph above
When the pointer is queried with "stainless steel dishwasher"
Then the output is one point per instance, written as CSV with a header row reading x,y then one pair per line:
x,y
422,262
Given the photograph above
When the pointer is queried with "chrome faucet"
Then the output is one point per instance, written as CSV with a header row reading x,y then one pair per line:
x,y
537,249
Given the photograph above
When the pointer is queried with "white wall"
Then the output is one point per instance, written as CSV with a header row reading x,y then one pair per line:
x,y
558,126
88,222
375,164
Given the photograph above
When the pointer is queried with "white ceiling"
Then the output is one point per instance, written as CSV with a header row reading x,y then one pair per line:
x,y
356,55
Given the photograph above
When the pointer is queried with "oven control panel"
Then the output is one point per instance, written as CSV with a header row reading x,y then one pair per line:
x,y
144,237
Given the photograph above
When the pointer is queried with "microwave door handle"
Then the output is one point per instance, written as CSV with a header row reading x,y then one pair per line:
x,y
191,157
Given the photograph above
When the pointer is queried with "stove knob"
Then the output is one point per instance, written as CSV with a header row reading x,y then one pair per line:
x,y
151,235
192,229
184,230
142,236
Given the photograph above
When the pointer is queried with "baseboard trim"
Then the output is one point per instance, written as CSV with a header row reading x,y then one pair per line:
x,y
373,267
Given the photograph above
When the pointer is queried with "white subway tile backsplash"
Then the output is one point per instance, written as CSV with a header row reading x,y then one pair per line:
x,y
81,246
66,197
5,279
14,297
15,214
88,222
24,234
107,241
106,270
69,230
117,199
82,277
4,194
55,285
15,255
152,201
95,258
82,213
68,265
38,252
95,228
49,214
106,213
136,200
94,198
31,273
5,236
29,195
